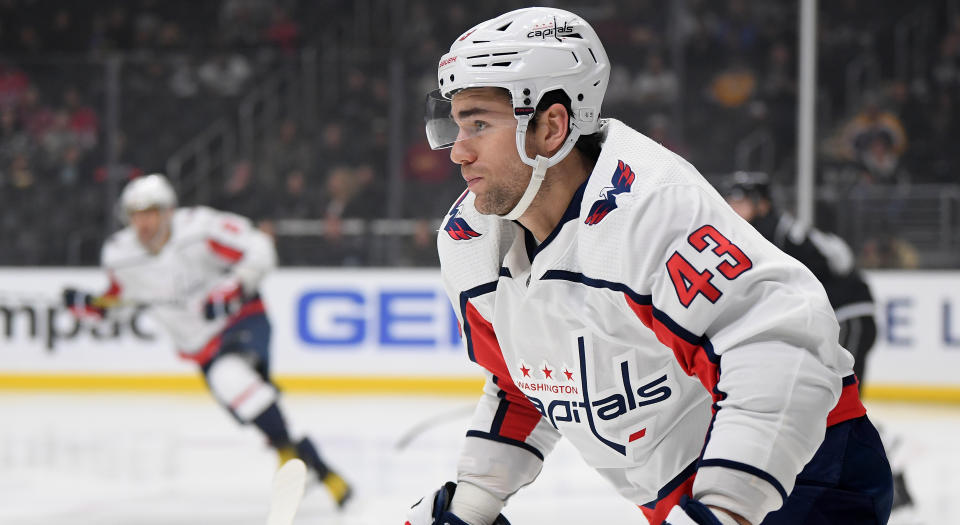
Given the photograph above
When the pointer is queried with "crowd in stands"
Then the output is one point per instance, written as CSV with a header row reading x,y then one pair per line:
x,y
715,81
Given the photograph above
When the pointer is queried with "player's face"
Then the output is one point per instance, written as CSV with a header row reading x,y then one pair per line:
x,y
486,149
744,207
152,227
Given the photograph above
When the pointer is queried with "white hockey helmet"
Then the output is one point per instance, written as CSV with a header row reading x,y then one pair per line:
x,y
150,191
528,52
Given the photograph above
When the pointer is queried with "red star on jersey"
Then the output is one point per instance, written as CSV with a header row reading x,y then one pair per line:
x,y
525,370
568,373
546,372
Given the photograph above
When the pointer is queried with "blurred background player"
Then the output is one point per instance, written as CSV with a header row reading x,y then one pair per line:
x,y
198,270
831,260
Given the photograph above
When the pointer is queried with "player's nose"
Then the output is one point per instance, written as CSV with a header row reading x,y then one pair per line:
x,y
461,152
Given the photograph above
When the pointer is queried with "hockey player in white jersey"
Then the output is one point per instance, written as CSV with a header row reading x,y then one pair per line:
x,y
615,299
198,271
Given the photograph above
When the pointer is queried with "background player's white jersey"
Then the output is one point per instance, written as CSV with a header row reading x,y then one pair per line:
x,y
206,248
655,329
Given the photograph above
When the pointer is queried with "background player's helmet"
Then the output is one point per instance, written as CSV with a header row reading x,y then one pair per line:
x,y
528,52
143,193
751,185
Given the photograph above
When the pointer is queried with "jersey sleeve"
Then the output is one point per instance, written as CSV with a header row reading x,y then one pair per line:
x,y
235,242
795,241
110,253
506,444
752,324
508,437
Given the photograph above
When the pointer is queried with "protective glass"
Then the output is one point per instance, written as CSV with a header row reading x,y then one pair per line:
x,y
443,131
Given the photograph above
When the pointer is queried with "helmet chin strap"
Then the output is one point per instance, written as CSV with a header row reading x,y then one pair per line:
x,y
539,171
539,165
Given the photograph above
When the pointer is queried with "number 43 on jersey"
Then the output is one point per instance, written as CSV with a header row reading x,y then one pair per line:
x,y
689,282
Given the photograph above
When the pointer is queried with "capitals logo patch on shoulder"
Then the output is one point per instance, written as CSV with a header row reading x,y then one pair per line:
x,y
456,226
623,178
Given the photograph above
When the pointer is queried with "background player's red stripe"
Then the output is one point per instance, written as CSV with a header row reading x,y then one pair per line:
x,y
228,253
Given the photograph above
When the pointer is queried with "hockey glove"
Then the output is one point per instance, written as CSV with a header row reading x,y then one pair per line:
x,y
224,300
435,510
691,512
82,304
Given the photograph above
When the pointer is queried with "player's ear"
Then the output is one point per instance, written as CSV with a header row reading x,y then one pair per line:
x,y
555,124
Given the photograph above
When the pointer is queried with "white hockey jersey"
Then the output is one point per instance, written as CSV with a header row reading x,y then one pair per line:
x,y
206,247
654,329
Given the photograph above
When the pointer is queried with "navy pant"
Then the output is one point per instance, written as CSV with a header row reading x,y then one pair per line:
x,y
848,481
249,337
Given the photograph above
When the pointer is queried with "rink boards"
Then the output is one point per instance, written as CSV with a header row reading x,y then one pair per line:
x,y
385,331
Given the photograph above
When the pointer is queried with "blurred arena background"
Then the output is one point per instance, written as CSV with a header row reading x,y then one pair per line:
x,y
307,117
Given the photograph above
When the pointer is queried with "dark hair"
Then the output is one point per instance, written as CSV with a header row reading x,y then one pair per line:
x,y
753,185
588,145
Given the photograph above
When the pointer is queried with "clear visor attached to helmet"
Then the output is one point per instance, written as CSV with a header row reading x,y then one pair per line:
x,y
443,130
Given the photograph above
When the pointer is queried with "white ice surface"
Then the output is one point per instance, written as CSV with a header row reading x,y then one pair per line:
x,y
118,459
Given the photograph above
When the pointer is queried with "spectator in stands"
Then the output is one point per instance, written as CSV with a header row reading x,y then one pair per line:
x,y
881,163
344,194
888,250
225,74
83,119
14,140
737,30
872,122
429,179
170,37
342,201
243,195
64,34
420,248
67,171
944,122
242,22
285,152
35,116
13,84
946,72
20,174
335,147
126,167
183,80
656,86
58,138
733,86
296,200
283,33
778,90
658,129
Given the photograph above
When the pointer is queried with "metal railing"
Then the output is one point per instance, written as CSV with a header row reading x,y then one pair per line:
x,y
191,166
927,216
288,91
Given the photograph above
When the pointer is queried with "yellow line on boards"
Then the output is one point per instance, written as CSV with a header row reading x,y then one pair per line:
x,y
288,383
308,384
928,394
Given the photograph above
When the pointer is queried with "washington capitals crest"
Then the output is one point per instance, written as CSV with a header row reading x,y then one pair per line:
x,y
456,226
623,178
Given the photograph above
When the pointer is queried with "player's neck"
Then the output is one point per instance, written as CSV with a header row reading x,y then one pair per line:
x,y
156,245
559,185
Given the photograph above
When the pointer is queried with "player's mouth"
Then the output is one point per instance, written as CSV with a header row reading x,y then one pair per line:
x,y
472,181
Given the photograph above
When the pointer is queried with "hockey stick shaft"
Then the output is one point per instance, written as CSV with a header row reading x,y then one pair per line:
x,y
287,491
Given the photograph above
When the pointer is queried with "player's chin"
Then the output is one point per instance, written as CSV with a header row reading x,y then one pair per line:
x,y
485,207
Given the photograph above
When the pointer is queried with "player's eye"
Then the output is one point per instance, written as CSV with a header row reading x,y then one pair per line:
x,y
478,126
